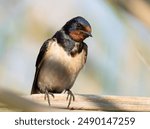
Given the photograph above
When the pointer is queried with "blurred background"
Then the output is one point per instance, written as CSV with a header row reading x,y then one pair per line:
x,y
118,54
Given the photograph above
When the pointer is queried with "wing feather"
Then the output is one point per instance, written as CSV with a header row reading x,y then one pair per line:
x,y
39,61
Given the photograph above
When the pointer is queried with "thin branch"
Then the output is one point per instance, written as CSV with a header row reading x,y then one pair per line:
x,y
86,102
93,102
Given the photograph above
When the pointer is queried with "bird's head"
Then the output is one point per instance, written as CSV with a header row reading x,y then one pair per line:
x,y
78,29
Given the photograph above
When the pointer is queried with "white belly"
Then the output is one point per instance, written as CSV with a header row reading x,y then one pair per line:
x,y
59,70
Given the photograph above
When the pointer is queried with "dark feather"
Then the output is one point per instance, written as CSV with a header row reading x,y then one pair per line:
x,y
85,48
41,54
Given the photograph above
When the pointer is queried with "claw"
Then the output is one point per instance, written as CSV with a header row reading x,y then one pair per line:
x,y
67,96
70,96
52,95
65,91
47,96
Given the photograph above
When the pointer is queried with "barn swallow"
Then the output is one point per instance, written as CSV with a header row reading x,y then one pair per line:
x,y
61,58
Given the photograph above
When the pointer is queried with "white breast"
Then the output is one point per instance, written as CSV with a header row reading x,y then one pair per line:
x,y
73,64
59,70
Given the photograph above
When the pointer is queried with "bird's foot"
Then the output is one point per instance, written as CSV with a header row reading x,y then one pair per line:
x,y
47,93
70,97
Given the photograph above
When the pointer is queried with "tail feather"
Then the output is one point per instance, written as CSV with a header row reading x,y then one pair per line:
x,y
35,88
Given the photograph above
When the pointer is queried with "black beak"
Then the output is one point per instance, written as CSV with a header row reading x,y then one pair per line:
x,y
90,35
87,33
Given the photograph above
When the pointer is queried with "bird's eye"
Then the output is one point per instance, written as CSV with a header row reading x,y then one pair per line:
x,y
79,26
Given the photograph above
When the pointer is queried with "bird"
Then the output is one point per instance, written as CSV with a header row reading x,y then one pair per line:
x,y
61,58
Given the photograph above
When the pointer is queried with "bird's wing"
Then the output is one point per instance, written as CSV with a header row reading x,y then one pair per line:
x,y
39,61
